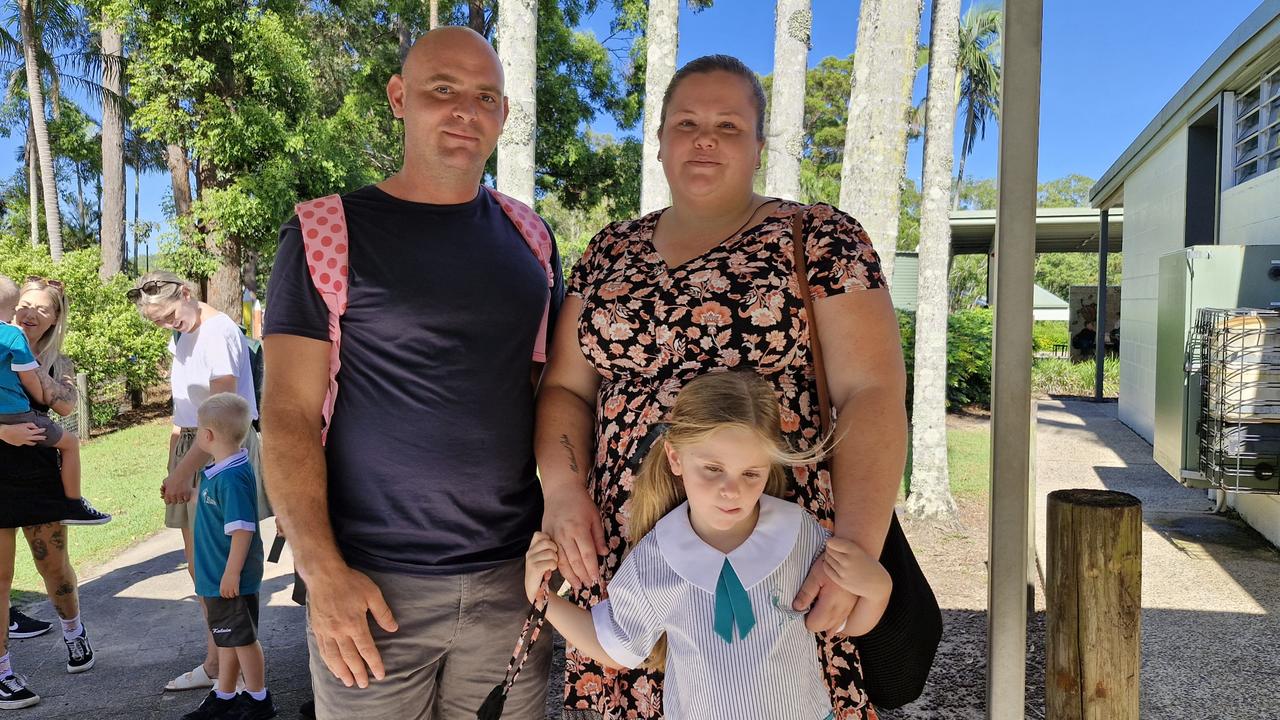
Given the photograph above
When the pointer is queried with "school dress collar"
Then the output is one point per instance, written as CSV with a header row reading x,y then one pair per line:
x,y
236,460
776,532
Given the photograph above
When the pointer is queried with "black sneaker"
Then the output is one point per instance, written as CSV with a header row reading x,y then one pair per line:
x,y
308,710
246,708
22,627
212,707
79,652
80,512
15,694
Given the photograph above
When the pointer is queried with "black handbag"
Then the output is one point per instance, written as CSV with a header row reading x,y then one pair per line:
x,y
898,652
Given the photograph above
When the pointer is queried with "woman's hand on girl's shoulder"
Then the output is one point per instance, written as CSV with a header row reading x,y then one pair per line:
x,y
854,570
542,558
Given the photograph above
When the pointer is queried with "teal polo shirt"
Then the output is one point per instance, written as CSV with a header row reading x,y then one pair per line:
x,y
228,502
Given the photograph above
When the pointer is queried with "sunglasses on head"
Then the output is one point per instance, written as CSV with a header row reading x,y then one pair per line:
x,y
56,284
150,289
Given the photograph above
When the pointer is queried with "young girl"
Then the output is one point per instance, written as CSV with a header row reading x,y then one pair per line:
x,y
719,571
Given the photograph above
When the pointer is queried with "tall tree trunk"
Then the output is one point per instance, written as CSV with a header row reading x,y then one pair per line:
x,y
224,289
786,114
475,16
137,195
955,196
80,217
518,48
180,177
113,191
930,485
33,185
662,37
435,14
875,143
35,98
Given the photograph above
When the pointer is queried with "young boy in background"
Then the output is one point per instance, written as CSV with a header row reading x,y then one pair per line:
x,y
228,560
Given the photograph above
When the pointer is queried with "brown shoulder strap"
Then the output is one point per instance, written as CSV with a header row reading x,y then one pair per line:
x,y
802,279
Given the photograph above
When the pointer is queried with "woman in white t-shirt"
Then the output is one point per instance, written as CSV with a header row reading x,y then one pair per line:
x,y
210,356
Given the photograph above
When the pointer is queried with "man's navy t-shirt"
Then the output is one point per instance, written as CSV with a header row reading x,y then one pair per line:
x,y
430,451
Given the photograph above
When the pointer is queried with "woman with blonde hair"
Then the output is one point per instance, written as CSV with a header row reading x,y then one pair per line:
x,y
28,389
31,474
716,558
210,356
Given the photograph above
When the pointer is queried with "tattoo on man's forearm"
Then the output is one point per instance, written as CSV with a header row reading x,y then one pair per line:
x,y
568,446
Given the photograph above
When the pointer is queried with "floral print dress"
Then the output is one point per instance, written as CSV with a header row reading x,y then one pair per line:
x,y
648,329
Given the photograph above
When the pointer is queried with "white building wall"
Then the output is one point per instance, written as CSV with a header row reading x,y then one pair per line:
x,y
1251,212
1251,216
1155,198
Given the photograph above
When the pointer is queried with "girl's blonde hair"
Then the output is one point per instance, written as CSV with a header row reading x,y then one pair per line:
x,y
707,404
48,349
169,291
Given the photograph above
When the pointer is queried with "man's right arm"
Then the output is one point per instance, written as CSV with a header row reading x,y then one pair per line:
x,y
296,381
296,358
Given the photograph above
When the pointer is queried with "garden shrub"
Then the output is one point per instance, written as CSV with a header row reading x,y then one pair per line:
x,y
968,356
1047,333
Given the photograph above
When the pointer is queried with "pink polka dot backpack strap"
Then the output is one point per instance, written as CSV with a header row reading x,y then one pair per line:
x,y
535,235
324,239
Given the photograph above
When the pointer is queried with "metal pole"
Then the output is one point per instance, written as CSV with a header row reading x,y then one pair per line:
x,y
1011,376
1100,326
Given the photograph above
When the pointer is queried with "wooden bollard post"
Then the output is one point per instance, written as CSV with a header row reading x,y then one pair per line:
x,y
83,417
1094,605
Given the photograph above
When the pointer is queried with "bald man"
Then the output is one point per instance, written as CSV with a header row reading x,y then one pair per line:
x,y
410,524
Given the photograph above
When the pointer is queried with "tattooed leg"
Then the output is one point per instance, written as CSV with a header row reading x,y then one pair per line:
x,y
53,561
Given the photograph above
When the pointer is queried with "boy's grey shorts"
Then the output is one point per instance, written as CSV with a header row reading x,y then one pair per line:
x,y
233,621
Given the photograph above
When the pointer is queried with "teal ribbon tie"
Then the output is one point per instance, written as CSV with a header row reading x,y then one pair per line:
x,y
733,607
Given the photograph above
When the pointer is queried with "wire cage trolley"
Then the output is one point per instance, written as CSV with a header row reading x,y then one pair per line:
x,y
1236,354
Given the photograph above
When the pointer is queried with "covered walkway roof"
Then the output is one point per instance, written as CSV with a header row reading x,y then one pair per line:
x,y
1057,230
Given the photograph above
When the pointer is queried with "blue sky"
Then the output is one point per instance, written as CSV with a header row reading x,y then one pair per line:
x,y
1108,68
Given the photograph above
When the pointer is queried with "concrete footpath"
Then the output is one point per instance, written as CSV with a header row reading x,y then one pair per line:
x,y
146,629
1210,583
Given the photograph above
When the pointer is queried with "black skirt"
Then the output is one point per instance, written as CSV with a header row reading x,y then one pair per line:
x,y
31,486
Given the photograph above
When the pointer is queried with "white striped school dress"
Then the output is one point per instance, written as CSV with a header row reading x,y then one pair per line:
x,y
668,583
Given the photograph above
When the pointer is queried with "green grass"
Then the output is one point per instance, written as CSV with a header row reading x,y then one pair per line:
x,y
122,476
968,461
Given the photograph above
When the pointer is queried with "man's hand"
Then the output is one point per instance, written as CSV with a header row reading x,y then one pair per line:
x,y
230,586
339,601
573,522
176,490
834,603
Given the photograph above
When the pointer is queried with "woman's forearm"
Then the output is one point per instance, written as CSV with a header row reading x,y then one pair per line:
x,y
865,484
563,440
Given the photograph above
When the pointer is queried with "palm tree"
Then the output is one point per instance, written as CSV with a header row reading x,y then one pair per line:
x,y
39,126
113,212
875,143
930,495
518,49
786,111
662,37
435,14
978,83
